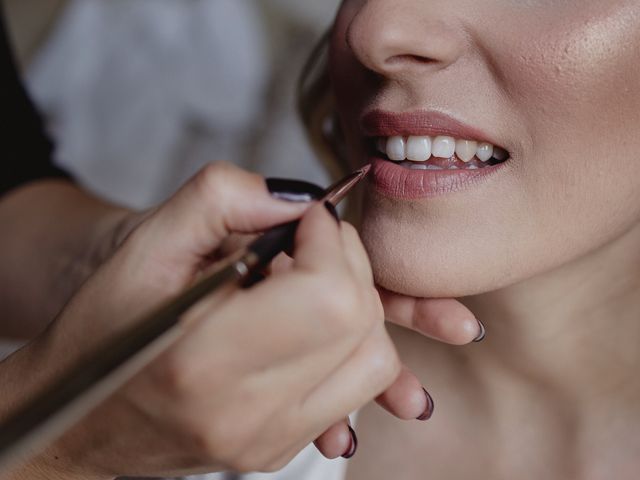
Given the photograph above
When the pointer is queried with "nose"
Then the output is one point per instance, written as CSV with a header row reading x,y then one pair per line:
x,y
392,37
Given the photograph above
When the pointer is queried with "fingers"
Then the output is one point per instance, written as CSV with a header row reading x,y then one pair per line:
x,y
352,250
446,320
336,441
348,388
219,200
313,314
318,243
406,398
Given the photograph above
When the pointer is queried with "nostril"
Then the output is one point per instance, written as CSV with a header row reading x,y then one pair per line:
x,y
408,59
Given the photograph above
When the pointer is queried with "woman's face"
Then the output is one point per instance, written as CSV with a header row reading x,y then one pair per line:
x,y
555,83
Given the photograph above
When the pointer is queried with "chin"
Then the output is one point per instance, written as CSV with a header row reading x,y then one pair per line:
x,y
432,276
434,254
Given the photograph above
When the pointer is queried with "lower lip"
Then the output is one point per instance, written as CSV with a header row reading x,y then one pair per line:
x,y
395,181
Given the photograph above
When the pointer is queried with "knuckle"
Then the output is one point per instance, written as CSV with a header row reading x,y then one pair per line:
x,y
174,376
215,174
218,181
219,175
385,365
210,181
204,446
221,443
215,179
341,303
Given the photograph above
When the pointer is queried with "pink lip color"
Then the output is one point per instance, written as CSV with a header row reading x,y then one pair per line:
x,y
378,123
396,181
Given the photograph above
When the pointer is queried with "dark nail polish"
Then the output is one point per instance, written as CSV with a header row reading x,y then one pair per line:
x,y
354,445
294,190
332,210
482,335
428,412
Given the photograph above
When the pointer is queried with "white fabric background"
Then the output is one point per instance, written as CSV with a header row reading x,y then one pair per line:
x,y
141,93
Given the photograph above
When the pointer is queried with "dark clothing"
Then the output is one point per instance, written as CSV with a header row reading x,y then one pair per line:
x,y
25,149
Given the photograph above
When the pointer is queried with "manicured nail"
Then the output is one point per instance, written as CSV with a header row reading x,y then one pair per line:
x,y
332,210
354,445
428,412
297,191
482,335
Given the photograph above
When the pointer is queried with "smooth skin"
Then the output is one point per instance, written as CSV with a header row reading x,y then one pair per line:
x,y
545,252
241,391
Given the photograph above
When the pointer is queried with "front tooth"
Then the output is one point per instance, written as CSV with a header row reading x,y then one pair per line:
x,y
500,154
466,150
419,149
381,145
396,149
485,152
444,147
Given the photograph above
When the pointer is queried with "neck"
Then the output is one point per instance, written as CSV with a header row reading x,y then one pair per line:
x,y
574,331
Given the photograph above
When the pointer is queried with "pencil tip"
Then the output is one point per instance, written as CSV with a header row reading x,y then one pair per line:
x,y
365,169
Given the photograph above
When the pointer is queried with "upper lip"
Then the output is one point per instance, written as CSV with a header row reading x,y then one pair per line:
x,y
380,123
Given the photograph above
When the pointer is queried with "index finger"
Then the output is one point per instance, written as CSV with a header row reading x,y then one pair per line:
x,y
446,320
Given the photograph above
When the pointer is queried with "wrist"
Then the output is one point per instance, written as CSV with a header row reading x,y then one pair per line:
x,y
107,231
58,461
43,468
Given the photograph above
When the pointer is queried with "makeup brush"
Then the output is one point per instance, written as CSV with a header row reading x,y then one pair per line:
x,y
104,371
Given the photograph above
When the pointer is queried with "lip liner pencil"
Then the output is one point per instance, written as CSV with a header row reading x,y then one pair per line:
x,y
104,371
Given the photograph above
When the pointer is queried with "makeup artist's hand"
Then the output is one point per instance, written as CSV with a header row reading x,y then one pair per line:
x,y
257,377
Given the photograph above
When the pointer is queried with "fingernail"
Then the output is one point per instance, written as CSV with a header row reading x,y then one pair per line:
x,y
297,191
354,445
428,412
483,333
332,210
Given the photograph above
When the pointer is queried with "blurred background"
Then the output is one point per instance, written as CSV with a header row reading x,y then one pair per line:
x,y
139,94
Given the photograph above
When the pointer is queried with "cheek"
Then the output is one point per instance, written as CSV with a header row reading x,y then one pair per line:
x,y
576,82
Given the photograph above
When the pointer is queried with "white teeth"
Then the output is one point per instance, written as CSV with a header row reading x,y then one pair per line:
x,y
485,152
444,147
466,150
500,154
418,149
396,149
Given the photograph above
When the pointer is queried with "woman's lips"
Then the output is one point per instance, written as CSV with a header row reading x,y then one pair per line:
x,y
378,123
396,181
